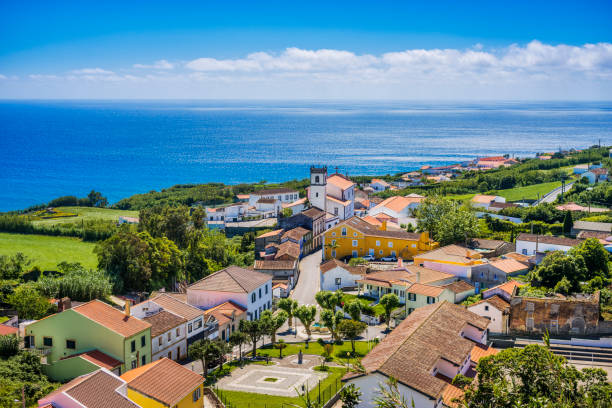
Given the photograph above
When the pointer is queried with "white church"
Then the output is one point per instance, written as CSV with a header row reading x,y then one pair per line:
x,y
334,194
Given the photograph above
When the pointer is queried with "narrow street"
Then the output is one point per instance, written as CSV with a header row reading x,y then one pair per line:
x,y
309,282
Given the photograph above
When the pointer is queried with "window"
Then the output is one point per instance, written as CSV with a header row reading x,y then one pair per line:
x,y
354,234
178,331
333,253
486,308
134,364
268,304
333,242
159,341
336,212
402,293
143,360
316,194
377,243
371,251
189,328
430,300
414,245
390,244
524,251
71,344
333,233
196,393
338,281
412,296
47,342
355,243
316,181
133,346
354,254
29,342
170,354
169,336
494,276
198,323
260,293
344,232
143,341
380,252
393,253
253,298
266,289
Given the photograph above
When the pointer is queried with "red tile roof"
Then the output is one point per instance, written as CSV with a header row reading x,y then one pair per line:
x,y
111,318
5,330
97,357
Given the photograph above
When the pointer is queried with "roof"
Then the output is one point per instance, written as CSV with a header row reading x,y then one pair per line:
x,y
405,276
313,213
288,248
507,287
224,312
372,220
296,233
272,191
178,296
480,351
266,201
482,243
398,203
548,239
4,330
593,226
576,207
381,182
232,279
96,390
294,203
111,318
518,257
343,203
163,380
452,253
496,301
451,392
340,181
97,357
483,199
492,158
176,306
163,321
600,235
459,286
271,233
425,290
509,265
368,229
277,264
420,341
243,196
334,263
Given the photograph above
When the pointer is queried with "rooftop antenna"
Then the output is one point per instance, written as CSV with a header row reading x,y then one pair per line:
x,y
337,170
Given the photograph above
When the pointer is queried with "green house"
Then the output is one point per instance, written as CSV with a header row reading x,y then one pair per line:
x,y
88,337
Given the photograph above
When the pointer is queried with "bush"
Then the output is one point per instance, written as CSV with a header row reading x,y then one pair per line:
x,y
78,284
9,346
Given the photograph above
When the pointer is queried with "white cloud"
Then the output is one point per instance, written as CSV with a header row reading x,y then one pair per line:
x,y
42,76
3,76
92,71
161,64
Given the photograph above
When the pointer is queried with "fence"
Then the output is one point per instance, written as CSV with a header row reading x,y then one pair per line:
x,y
321,395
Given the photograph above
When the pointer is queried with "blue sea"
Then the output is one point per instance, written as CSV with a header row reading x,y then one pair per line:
x,y
49,149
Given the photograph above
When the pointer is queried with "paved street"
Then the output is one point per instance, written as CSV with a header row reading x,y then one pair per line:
x,y
552,196
309,281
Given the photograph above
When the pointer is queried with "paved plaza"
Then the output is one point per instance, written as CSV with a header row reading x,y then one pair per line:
x,y
284,378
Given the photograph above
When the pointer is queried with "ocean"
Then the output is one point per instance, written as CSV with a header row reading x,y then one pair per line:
x,y
54,148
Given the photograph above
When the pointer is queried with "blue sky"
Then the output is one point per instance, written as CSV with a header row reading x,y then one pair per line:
x,y
357,49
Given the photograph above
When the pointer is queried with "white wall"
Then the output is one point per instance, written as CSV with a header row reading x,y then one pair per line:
x,y
205,299
261,303
495,315
328,279
457,270
169,346
369,386
148,308
529,248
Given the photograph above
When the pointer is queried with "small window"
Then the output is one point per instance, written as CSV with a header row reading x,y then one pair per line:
x,y
316,194
169,336
159,341
377,243
333,233
486,308
71,344
333,242
47,342
268,304
198,323
390,243
431,300
260,293
253,297
196,394
354,234
393,253
338,281
178,331
355,243
134,363
133,346
336,213
344,232
380,252
333,253
143,360
316,181
143,341
414,245
266,289
354,254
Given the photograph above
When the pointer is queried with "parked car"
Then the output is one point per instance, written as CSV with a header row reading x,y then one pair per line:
x,y
389,259
368,257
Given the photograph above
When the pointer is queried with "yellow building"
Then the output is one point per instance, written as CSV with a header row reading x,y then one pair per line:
x,y
164,383
356,238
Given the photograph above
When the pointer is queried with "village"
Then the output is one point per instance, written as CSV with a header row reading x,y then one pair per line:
x,y
349,293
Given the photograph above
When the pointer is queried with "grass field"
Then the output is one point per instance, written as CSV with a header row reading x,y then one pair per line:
x,y
339,354
46,251
87,213
527,192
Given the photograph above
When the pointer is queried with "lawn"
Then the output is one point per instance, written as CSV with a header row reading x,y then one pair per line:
x,y
339,354
87,213
47,251
527,192
328,387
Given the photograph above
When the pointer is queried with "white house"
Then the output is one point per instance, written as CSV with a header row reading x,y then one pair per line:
x,y
379,185
168,335
336,275
249,289
530,244
484,201
334,194
196,324
398,207
284,195
496,309
424,353
596,175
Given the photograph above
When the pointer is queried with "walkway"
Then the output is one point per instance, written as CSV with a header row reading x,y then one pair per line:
x,y
309,282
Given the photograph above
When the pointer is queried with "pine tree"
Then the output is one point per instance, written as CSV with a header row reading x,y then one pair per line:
x,y
568,223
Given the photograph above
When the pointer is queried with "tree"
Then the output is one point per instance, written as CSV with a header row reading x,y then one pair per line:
x,y
351,329
96,199
12,267
533,376
307,315
595,256
331,320
557,265
429,213
23,373
390,396
350,396
238,338
328,349
165,260
357,261
125,257
289,306
29,303
273,322
568,223
255,329
286,212
389,302
353,309
9,345
206,351
329,300
458,225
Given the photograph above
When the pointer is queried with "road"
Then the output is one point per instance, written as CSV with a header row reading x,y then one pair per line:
x,y
309,281
552,196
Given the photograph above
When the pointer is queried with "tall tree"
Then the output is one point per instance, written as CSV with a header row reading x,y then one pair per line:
x,y
96,199
389,302
329,300
351,329
557,265
307,315
331,320
273,322
596,258
29,303
125,256
238,338
255,329
289,306
353,309
568,223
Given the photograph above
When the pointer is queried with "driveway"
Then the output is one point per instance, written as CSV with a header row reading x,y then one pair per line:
x,y
309,282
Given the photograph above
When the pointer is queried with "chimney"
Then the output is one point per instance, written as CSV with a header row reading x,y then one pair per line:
x,y
383,226
126,309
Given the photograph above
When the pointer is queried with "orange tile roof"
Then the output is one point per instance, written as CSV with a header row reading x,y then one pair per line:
x,y
295,233
224,312
111,318
176,306
344,203
371,220
98,358
483,199
379,181
496,301
425,290
164,380
271,233
452,392
333,263
452,253
340,181
509,265
278,264
398,203
459,286
5,330
289,248
479,351
232,279
163,321
507,287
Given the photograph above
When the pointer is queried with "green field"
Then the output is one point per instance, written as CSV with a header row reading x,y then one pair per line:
x,y
87,213
527,192
47,251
